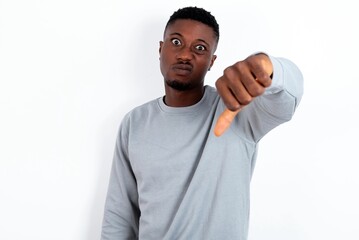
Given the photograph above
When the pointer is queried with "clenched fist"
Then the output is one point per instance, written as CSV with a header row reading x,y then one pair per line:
x,y
240,84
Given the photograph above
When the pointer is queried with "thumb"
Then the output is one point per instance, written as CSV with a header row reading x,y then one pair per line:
x,y
224,121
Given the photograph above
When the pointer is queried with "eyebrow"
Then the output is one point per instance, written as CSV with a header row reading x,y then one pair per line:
x,y
201,40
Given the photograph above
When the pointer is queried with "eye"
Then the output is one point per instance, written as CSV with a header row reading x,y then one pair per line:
x,y
176,41
200,48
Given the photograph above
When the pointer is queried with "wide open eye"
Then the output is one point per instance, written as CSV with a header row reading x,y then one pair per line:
x,y
200,48
176,41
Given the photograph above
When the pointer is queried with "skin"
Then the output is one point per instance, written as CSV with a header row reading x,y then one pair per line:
x,y
240,84
187,53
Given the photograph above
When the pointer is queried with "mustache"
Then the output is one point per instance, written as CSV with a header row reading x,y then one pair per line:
x,y
183,65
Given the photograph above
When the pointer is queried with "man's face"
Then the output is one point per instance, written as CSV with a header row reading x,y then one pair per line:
x,y
186,53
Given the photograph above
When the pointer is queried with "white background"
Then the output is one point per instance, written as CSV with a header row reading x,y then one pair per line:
x,y
71,69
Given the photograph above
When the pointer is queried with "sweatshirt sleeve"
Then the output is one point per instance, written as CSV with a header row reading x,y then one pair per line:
x,y
277,105
121,213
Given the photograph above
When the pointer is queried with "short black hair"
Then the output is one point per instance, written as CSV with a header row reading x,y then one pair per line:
x,y
197,14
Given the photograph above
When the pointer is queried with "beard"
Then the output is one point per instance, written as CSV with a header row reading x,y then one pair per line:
x,y
177,85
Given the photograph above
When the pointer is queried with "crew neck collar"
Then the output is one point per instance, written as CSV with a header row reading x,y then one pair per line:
x,y
181,110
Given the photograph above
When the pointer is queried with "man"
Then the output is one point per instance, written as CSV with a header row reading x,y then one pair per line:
x,y
178,175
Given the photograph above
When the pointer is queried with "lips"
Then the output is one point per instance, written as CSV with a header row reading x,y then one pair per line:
x,y
182,68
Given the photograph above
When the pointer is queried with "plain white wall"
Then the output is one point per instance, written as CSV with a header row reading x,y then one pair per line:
x,y
71,69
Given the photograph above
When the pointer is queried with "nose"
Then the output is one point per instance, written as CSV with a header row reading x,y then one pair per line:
x,y
185,54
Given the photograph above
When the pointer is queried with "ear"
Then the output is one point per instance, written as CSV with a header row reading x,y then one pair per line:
x,y
214,57
160,49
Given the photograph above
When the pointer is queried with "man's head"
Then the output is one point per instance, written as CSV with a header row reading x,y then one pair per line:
x,y
197,14
187,50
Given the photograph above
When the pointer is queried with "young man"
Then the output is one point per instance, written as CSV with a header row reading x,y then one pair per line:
x,y
178,175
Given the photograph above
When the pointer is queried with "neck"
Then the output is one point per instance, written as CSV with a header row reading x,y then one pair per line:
x,y
177,98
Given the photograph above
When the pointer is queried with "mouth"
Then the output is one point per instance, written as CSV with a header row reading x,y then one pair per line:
x,y
182,68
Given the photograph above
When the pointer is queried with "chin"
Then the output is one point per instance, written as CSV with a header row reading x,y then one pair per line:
x,y
178,85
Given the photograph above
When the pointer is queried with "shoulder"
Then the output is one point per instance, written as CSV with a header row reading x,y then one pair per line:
x,y
142,111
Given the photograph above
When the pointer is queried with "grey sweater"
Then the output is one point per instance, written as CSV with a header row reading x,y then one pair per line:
x,y
172,178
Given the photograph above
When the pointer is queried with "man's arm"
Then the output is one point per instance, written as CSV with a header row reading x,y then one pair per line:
x,y
268,88
121,213
240,84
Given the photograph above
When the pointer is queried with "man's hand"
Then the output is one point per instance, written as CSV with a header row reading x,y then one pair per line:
x,y
240,84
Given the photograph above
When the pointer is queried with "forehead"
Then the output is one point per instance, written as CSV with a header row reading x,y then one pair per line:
x,y
190,28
